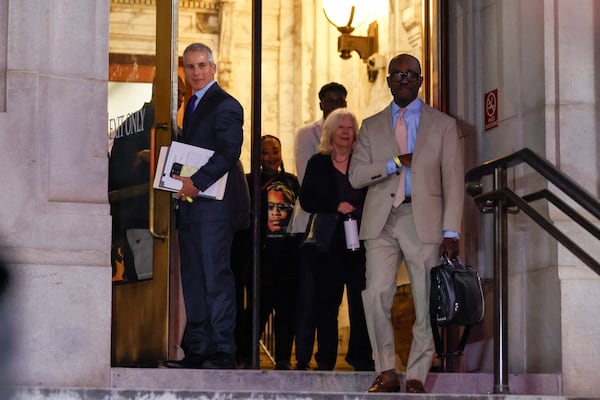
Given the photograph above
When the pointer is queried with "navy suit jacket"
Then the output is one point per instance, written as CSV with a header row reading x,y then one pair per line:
x,y
216,124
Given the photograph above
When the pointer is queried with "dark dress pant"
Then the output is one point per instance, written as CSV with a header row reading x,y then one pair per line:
x,y
319,298
360,354
208,286
306,313
322,279
279,286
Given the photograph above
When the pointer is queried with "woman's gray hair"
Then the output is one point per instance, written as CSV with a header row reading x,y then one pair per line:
x,y
200,47
331,124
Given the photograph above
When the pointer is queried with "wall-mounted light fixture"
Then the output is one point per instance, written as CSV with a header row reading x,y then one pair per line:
x,y
346,15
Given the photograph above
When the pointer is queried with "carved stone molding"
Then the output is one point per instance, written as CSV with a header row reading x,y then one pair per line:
x,y
207,5
226,43
132,28
133,2
412,18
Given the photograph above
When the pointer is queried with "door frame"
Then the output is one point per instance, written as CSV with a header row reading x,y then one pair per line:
x,y
140,310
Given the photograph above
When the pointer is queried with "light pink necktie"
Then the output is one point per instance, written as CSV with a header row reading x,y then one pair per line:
x,y
402,139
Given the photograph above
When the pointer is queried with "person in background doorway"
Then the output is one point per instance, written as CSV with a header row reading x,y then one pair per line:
x,y
128,187
409,157
326,189
180,92
180,99
278,256
331,96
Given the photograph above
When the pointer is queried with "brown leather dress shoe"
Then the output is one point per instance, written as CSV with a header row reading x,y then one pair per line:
x,y
414,386
386,382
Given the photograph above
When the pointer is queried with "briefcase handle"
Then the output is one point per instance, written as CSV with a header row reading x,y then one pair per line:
x,y
454,263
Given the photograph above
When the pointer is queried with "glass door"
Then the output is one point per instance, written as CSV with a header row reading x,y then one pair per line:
x,y
142,108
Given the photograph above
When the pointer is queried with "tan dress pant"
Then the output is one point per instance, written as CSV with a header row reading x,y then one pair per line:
x,y
399,241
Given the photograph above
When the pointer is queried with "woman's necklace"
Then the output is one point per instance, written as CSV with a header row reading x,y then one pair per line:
x,y
340,161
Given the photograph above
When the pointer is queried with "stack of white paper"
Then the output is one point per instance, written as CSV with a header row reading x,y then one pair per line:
x,y
192,158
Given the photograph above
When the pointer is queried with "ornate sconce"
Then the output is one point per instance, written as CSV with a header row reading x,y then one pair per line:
x,y
345,15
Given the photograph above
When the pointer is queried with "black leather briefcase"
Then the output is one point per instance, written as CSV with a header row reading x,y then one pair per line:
x,y
456,298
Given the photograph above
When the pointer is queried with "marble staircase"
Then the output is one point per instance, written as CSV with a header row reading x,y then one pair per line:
x,y
169,384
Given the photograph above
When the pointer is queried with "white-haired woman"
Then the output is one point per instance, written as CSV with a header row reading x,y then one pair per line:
x,y
326,189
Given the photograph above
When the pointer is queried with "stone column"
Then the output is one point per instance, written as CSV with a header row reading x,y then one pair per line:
x,y
571,51
226,44
55,230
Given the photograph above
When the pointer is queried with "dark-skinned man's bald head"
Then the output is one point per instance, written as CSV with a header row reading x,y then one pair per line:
x,y
404,78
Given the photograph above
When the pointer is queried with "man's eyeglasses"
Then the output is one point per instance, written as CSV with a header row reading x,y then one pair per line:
x,y
280,206
334,101
410,76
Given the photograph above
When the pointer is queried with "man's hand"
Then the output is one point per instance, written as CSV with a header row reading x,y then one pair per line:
x,y
188,191
450,247
142,156
406,159
394,164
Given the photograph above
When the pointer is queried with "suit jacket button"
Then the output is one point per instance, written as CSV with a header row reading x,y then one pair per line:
x,y
397,172
393,194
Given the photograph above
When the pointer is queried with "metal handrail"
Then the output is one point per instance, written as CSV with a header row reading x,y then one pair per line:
x,y
500,201
522,204
543,167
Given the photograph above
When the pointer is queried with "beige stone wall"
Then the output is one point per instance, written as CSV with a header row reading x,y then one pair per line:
x,y
55,218
55,223
533,61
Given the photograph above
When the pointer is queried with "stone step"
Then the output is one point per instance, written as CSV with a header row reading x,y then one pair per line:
x,y
169,384
319,381
122,394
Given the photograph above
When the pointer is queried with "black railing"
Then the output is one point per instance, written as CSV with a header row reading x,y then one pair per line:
x,y
500,201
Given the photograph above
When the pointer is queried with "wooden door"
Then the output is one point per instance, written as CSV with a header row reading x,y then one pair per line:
x,y
144,84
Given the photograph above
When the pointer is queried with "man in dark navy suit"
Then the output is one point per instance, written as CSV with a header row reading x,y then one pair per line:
x,y
213,120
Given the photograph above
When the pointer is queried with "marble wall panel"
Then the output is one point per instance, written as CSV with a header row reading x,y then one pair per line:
x,y
62,325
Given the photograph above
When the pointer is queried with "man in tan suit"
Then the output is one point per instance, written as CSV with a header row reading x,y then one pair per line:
x,y
413,210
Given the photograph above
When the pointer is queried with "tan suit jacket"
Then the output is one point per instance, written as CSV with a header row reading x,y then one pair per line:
x,y
437,174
